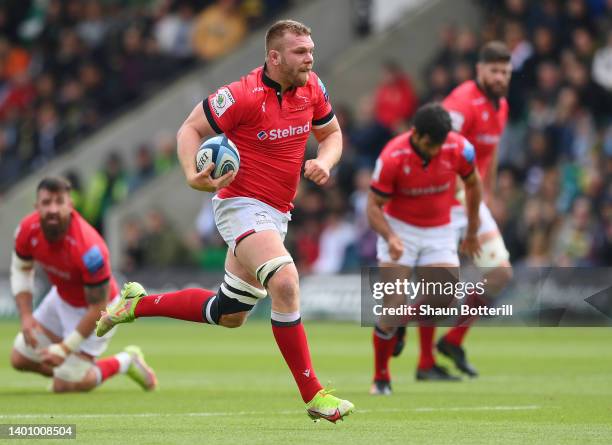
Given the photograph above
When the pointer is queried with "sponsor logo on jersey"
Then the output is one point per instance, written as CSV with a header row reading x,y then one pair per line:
x,y
324,90
431,190
281,133
468,152
257,90
488,138
222,101
93,259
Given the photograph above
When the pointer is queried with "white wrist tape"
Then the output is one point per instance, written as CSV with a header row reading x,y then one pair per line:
x,y
22,275
56,349
74,340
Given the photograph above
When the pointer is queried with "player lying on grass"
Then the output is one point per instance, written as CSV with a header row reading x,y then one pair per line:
x,y
57,340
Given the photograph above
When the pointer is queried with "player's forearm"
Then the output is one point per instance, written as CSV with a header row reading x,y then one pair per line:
x,y
23,301
473,196
188,141
87,324
378,222
330,149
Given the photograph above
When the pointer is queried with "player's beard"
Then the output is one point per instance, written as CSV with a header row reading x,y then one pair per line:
x,y
495,90
54,226
296,77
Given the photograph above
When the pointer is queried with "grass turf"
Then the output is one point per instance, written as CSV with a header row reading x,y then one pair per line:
x,y
231,386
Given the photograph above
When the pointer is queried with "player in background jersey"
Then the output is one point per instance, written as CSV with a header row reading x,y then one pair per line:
x,y
409,206
57,339
479,111
268,114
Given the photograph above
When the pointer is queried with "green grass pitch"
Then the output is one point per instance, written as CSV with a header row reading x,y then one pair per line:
x,y
221,386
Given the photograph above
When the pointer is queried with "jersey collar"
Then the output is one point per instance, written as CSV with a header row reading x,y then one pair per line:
x,y
424,159
267,81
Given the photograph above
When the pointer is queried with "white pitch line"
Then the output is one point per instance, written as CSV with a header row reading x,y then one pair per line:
x,y
251,413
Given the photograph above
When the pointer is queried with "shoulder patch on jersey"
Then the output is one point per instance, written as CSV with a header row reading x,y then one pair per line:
x,y
457,120
468,151
222,101
324,90
93,259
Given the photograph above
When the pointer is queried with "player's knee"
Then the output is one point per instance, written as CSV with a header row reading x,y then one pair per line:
x,y
284,284
233,302
19,362
233,320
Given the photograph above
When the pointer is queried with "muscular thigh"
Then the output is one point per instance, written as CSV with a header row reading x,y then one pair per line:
x,y
256,249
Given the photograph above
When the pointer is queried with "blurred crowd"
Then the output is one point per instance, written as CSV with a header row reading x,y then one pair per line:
x,y
69,66
554,189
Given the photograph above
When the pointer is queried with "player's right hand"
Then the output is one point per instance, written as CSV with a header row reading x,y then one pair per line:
x,y
470,246
396,247
204,182
28,326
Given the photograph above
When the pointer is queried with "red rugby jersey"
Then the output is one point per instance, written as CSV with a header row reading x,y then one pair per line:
x,y
270,130
421,192
80,258
477,118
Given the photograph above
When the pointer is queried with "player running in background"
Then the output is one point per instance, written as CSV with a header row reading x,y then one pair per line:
x,y
479,112
409,206
268,114
57,339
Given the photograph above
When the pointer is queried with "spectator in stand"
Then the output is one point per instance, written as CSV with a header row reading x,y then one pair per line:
x,y
395,100
144,169
218,29
106,188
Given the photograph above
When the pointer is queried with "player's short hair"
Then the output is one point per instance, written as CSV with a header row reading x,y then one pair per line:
x,y
493,52
278,30
434,121
54,184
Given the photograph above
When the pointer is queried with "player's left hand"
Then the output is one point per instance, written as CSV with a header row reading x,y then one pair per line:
x,y
470,246
316,171
54,355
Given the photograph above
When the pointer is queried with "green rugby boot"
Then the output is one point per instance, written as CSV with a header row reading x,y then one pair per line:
x,y
123,310
326,406
139,370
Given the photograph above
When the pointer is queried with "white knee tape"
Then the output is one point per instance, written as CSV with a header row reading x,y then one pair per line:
x,y
493,253
270,267
74,369
28,351
236,288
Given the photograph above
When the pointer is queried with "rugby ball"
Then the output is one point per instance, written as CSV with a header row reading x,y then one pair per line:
x,y
222,152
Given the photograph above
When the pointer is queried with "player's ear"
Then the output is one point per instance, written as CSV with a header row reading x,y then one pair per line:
x,y
274,57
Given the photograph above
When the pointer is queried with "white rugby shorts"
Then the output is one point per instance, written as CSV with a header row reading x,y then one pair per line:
x,y
423,246
237,218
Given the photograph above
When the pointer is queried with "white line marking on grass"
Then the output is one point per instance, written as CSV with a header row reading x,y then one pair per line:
x,y
253,413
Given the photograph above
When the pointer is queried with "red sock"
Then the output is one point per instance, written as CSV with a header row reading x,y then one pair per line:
x,y
426,336
108,367
383,349
291,340
456,334
185,304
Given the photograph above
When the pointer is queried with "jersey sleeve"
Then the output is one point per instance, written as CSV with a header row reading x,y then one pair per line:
x,y
225,108
460,113
384,174
95,265
466,159
22,242
323,112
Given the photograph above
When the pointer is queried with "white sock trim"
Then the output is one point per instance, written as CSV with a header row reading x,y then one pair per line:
x,y
285,318
125,360
98,375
